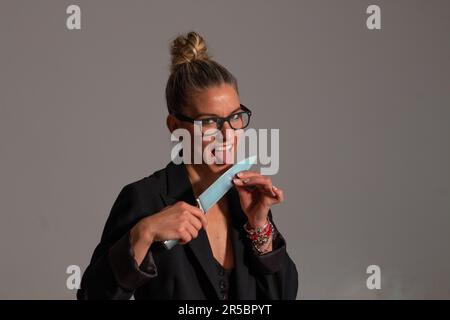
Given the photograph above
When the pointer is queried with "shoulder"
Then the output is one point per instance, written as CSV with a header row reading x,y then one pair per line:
x,y
136,200
140,196
155,183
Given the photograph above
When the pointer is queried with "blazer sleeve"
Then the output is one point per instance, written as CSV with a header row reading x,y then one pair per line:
x,y
277,276
113,272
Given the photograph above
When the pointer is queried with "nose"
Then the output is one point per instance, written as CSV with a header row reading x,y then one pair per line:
x,y
226,136
225,126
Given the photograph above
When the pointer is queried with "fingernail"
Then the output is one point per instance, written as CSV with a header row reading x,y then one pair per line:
x,y
246,180
239,174
274,188
237,181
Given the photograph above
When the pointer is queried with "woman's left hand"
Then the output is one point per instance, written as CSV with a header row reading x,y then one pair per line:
x,y
257,195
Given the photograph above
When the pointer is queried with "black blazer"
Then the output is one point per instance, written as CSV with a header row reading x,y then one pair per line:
x,y
187,271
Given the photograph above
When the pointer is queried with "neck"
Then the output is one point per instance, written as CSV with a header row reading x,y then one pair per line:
x,y
201,177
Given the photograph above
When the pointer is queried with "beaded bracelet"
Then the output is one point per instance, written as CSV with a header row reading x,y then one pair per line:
x,y
259,236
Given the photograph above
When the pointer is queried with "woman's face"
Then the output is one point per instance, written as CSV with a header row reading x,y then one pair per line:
x,y
218,101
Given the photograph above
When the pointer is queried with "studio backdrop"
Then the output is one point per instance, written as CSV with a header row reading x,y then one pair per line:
x,y
359,91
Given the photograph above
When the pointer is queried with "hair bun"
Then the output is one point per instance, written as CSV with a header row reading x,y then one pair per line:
x,y
188,48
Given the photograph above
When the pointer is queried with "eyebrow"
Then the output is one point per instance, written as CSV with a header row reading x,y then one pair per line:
x,y
215,115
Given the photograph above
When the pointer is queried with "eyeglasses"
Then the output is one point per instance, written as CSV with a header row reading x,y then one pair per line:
x,y
237,120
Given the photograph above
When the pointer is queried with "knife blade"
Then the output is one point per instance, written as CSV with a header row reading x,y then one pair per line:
x,y
217,190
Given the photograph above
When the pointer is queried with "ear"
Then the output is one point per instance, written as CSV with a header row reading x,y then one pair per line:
x,y
171,123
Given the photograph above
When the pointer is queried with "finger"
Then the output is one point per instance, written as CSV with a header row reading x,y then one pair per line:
x,y
242,187
195,222
244,190
192,231
184,237
189,207
259,181
253,187
200,216
279,197
254,180
279,193
247,173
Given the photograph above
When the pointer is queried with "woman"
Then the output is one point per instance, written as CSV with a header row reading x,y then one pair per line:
x,y
234,251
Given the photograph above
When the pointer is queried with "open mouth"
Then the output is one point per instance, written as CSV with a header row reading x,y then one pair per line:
x,y
224,147
223,153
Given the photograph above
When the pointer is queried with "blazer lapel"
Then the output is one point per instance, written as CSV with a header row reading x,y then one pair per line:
x,y
243,283
179,188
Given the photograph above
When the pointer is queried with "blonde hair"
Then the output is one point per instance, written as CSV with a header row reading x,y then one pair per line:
x,y
192,70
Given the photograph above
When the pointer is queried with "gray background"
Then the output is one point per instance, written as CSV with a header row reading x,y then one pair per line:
x,y
364,120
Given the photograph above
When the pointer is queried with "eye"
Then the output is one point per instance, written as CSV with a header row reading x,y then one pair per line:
x,y
236,116
208,121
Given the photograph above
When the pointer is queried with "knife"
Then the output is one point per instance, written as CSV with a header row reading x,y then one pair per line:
x,y
217,190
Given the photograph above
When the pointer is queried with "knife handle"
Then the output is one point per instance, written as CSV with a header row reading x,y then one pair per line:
x,y
169,244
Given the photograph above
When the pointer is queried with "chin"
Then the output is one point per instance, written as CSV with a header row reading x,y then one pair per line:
x,y
219,168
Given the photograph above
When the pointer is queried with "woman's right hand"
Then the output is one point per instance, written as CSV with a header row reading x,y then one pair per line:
x,y
180,221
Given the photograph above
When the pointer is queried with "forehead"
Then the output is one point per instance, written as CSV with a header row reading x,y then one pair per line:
x,y
219,100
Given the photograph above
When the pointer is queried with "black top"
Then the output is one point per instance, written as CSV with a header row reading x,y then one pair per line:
x,y
186,271
225,282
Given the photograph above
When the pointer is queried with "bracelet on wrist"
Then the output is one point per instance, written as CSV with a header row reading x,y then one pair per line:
x,y
260,236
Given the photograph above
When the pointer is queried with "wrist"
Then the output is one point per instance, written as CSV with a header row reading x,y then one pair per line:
x,y
141,236
260,223
264,248
261,236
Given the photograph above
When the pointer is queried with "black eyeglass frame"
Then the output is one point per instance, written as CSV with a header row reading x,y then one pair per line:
x,y
218,120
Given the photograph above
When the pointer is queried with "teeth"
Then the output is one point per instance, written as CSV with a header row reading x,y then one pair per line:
x,y
225,147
